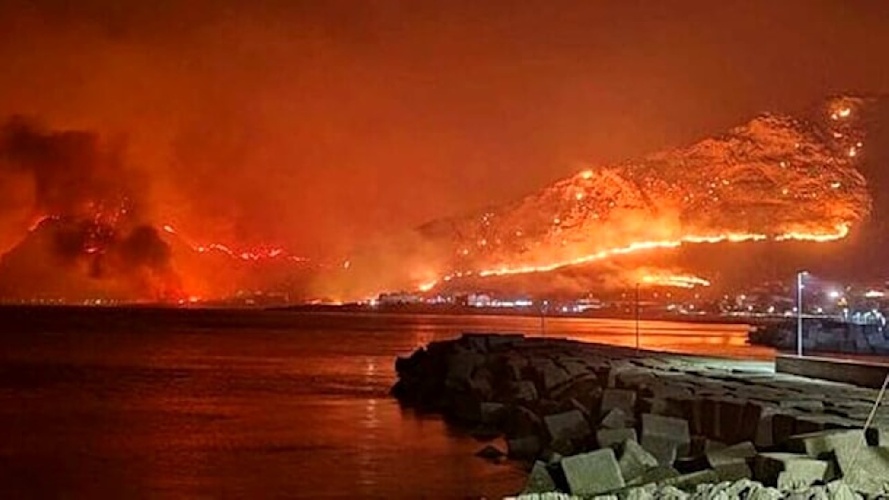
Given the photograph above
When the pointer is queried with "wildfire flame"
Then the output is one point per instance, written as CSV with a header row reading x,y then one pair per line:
x,y
674,280
256,254
839,232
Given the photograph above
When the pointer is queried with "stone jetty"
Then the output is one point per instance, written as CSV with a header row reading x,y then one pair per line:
x,y
593,420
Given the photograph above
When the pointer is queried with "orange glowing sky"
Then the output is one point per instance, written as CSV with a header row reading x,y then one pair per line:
x,y
315,125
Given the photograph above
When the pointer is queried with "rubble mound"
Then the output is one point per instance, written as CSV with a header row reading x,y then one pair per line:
x,y
592,420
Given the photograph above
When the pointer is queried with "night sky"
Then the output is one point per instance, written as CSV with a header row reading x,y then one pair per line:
x,y
316,125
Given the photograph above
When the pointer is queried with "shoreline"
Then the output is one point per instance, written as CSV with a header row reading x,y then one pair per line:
x,y
591,419
398,310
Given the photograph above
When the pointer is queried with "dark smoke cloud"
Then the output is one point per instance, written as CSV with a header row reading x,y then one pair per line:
x,y
69,168
89,204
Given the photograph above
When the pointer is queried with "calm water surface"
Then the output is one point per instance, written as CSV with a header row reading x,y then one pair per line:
x,y
296,405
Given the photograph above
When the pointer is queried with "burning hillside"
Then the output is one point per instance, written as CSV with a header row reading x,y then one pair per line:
x,y
91,234
775,178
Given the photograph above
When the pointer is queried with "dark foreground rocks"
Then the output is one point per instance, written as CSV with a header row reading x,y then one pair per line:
x,y
594,420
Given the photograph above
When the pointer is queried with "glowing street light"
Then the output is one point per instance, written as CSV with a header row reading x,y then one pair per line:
x,y
799,312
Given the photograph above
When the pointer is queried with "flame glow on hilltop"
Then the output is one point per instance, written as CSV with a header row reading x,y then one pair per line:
x,y
253,254
839,232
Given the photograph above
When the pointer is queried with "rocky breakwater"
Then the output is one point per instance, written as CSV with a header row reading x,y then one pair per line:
x,y
594,420
826,335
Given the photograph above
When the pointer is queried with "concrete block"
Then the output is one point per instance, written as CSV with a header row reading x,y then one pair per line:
x,y
749,425
480,384
615,419
741,452
816,444
710,425
539,480
492,413
690,480
656,406
524,391
634,460
575,367
512,367
461,364
618,398
567,425
504,340
840,490
865,469
764,434
733,471
521,421
584,389
664,449
731,420
768,466
657,474
609,438
666,428
790,481
477,342
523,447
808,405
783,426
551,376
592,473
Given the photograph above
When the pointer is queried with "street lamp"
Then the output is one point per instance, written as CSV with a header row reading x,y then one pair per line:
x,y
637,319
799,312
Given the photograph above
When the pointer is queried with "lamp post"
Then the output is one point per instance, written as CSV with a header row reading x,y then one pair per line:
x,y
799,312
637,319
543,307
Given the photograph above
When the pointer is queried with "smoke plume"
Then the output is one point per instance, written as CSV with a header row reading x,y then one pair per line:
x,y
88,211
